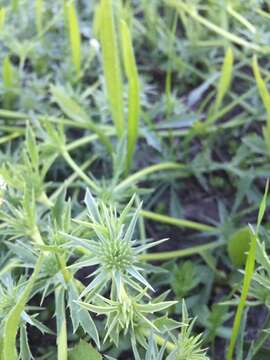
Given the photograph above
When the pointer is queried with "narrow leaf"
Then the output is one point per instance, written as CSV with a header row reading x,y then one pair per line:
x,y
61,323
225,78
13,318
74,36
133,91
111,64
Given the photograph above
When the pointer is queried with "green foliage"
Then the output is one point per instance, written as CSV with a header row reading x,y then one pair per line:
x,y
74,36
133,91
111,63
172,142
84,351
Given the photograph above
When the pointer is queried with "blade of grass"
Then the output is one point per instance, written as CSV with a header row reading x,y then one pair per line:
x,y
133,91
2,18
225,78
111,64
74,36
249,269
217,29
241,19
7,74
12,320
265,96
62,350
39,6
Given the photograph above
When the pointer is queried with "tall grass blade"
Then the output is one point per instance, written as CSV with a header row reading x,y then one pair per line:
x,y
12,321
133,91
265,96
61,324
74,36
249,269
2,18
111,64
7,74
225,78
39,6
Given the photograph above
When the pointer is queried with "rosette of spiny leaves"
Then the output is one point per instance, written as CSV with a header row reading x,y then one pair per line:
x,y
112,249
187,345
129,314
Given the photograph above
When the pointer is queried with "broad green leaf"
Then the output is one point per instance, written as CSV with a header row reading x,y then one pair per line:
x,y
12,320
225,78
133,91
83,351
61,324
74,36
74,111
238,246
111,64
39,7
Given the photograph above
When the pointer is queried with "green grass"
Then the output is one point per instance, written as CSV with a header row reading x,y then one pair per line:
x,y
134,152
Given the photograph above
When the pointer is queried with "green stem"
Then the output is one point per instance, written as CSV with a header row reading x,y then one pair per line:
x,y
146,171
71,179
166,255
79,171
178,222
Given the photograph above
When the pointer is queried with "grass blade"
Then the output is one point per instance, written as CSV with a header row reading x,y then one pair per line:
x,y
13,318
133,91
249,269
111,64
2,18
39,6
7,73
62,349
225,78
265,96
215,28
74,36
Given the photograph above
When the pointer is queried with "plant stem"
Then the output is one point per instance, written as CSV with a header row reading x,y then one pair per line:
x,y
178,222
79,171
166,255
146,171
71,179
